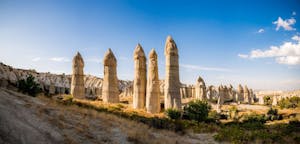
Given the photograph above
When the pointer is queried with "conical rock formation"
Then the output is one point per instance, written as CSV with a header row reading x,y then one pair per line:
x,y
77,83
153,91
139,84
110,91
172,82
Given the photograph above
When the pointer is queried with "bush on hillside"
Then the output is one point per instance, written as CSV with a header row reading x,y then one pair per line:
x,y
173,113
29,86
196,110
292,102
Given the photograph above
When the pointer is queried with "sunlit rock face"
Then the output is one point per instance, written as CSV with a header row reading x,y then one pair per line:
x,y
240,93
200,89
110,91
60,83
139,82
153,84
220,101
246,94
251,95
172,83
77,83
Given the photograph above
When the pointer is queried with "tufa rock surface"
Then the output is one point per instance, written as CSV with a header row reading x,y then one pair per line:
x,y
77,83
139,83
110,91
153,91
172,82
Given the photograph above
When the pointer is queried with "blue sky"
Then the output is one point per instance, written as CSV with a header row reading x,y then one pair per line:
x,y
224,42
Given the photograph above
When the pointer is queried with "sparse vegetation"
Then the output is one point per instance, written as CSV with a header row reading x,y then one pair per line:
x,y
29,86
292,102
196,110
233,113
273,115
173,114
247,128
238,132
267,100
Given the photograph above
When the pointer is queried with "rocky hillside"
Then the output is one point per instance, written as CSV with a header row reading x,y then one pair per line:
x,y
60,83
40,120
57,83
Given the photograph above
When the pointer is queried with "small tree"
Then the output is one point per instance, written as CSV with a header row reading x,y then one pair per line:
x,y
267,100
197,110
273,115
29,86
173,113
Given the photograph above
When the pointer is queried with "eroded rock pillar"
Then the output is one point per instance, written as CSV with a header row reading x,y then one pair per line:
x,y
139,83
172,82
110,88
77,84
153,91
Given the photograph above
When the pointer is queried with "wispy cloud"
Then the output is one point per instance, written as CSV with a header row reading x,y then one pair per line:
x,y
285,24
243,56
288,53
288,60
294,13
261,30
60,59
296,38
36,59
195,67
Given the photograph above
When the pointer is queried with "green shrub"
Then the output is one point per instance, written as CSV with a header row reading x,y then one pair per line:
x,y
267,100
273,115
233,133
272,111
173,113
29,86
233,113
196,110
292,102
213,115
255,118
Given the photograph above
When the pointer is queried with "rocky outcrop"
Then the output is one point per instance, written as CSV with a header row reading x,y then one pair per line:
x,y
172,82
110,92
60,83
200,89
77,83
139,82
246,94
153,94
240,93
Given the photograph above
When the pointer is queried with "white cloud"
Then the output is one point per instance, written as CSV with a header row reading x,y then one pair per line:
x,y
294,13
285,24
243,55
36,59
286,49
288,60
296,38
261,31
288,53
195,67
60,59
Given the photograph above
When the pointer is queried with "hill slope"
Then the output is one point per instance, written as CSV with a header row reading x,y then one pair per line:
x,y
24,119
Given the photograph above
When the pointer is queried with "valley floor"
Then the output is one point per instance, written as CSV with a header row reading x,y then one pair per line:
x,y
35,120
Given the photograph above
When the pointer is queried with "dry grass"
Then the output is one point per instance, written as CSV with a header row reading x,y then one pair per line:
x,y
121,107
88,124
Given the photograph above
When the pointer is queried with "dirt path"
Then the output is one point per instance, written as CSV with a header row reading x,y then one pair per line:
x,y
24,119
